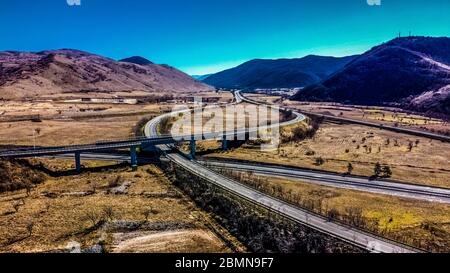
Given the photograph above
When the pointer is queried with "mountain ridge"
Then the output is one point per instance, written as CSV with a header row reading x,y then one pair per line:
x,y
409,72
278,73
136,60
49,72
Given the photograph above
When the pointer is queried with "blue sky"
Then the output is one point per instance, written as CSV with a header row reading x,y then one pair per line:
x,y
204,36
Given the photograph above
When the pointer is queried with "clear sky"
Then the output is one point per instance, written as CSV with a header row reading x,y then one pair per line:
x,y
204,36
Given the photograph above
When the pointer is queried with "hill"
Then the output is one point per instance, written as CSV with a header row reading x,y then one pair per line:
x,y
281,73
410,72
27,75
136,60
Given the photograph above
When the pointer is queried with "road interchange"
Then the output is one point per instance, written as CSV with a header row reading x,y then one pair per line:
x,y
365,240
164,143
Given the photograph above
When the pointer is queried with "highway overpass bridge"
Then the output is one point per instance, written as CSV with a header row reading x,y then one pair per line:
x,y
368,241
149,142
133,144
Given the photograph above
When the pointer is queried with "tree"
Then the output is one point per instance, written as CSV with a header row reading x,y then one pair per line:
x,y
94,185
92,216
319,161
28,187
149,211
332,214
115,181
109,213
410,146
30,227
349,168
387,172
377,170
146,213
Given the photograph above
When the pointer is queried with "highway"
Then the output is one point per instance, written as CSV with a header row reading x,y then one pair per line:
x,y
354,236
152,138
406,190
109,157
400,189
104,145
402,130
151,128
343,232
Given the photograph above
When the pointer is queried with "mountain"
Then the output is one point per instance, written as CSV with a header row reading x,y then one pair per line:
x,y
281,73
410,72
201,77
136,60
27,74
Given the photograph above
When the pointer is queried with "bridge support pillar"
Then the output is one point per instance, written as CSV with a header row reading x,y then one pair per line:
x,y
133,155
224,143
193,147
78,162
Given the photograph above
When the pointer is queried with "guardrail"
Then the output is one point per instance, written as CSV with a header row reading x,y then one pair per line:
x,y
195,171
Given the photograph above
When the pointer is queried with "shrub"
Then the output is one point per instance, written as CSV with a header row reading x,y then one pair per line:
x,y
319,161
30,227
109,213
115,182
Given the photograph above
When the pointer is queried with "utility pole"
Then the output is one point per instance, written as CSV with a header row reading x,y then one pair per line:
x,y
34,139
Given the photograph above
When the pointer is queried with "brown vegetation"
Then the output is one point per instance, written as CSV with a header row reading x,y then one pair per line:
x,y
417,223
64,210
338,145
16,175
261,230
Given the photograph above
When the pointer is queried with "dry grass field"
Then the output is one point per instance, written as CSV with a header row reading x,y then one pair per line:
x,y
75,123
112,210
381,115
419,223
411,159
270,99
115,210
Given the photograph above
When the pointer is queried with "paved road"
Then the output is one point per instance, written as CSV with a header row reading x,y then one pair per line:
x,y
151,128
356,237
152,138
365,240
105,145
406,190
401,189
414,132
111,157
